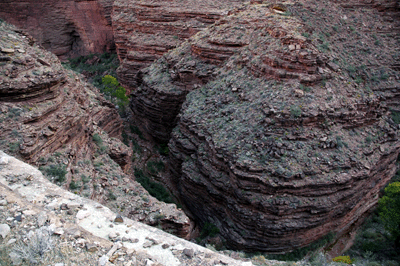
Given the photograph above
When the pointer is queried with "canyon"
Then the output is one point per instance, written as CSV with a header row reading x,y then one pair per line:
x,y
276,114
281,127
53,119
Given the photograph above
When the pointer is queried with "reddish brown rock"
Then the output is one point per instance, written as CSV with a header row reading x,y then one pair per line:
x,y
283,137
67,28
51,118
145,30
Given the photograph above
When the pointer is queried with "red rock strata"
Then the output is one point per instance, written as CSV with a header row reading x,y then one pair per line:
x,y
66,28
145,30
281,138
51,118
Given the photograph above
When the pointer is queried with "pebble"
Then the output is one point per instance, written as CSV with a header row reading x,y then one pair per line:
x,y
29,212
103,260
118,219
130,251
149,263
3,202
112,235
7,50
59,231
91,247
3,160
188,252
11,241
148,244
73,205
18,218
82,214
41,219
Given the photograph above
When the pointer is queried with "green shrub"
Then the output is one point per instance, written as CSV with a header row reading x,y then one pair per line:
x,y
13,146
136,130
163,149
116,92
111,195
125,138
97,139
73,185
389,210
295,111
396,117
136,146
344,259
155,189
56,171
85,179
155,167
209,229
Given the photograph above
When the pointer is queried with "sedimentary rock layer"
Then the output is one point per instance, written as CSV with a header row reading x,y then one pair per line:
x,y
50,117
283,136
145,30
66,28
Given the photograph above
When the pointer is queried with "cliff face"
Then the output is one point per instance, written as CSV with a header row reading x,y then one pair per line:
x,y
284,134
66,28
145,30
53,119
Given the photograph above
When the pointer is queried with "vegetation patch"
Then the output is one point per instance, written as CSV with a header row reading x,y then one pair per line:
x,y
55,172
155,189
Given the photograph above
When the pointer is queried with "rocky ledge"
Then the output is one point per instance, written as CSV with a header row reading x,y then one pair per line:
x,y
40,223
283,134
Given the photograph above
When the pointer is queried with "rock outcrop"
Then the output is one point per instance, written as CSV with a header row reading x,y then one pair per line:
x,y
30,204
51,118
145,30
66,28
283,134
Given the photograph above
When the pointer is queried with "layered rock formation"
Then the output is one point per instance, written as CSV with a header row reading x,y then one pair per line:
x,y
51,118
284,135
67,28
145,30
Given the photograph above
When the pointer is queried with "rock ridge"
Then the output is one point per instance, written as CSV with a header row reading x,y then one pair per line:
x,y
280,140
80,221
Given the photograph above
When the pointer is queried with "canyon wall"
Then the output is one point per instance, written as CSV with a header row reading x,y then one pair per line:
x,y
66,28
145,30
282,127
51,118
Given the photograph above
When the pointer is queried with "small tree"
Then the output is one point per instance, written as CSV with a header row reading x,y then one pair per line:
x,y
116,92
389,210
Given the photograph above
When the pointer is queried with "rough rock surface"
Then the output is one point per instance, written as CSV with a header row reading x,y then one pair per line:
x,y
145,30
79,231
51,118
66,28
285,134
